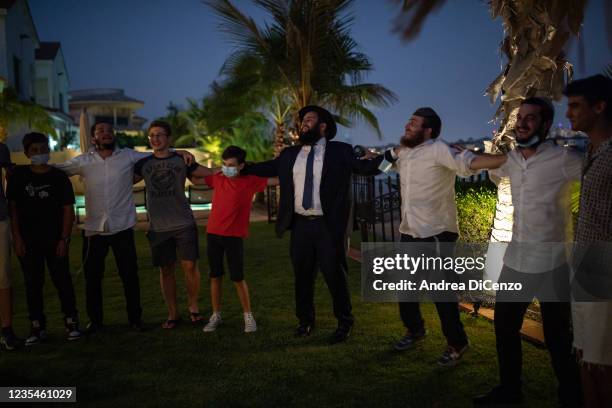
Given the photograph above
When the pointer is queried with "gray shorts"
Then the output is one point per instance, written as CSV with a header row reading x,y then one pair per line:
x,y
166,245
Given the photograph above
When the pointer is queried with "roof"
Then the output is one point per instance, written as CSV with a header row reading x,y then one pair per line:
x,y
101,95
7,4
47,50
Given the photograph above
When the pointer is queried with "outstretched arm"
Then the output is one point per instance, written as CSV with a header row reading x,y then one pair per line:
x,y
488,161
262,169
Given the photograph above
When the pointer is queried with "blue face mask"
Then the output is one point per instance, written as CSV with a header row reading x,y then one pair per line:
x,y
40,159
229,171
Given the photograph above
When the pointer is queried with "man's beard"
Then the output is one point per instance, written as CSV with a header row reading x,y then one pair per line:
x,y
106,146
310,136
404,141
532,140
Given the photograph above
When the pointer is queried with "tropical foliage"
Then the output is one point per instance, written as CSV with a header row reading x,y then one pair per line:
x,y
303,54
18,112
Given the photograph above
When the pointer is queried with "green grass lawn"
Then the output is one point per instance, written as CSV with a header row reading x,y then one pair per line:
x,y
185,367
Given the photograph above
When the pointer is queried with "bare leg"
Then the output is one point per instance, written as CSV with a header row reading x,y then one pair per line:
x,y
243,294
215,293
192,282
6,307
167,282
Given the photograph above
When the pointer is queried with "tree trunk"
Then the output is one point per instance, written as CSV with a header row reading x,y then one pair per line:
x,y
279,138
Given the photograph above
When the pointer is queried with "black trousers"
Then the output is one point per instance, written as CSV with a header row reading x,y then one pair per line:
x,y
556,321
450,320
33,266
313,247
230,247
95,249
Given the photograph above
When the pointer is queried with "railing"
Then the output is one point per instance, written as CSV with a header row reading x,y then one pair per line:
x,y
377,205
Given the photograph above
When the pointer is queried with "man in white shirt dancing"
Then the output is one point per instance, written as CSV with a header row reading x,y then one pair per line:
x,y
428,168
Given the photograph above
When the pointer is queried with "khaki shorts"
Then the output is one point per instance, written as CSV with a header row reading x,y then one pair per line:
x,y
5,255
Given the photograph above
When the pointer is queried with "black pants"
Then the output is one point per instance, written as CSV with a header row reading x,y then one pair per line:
x,y
33,266
233,249
556,321
95,249
312,246
450,320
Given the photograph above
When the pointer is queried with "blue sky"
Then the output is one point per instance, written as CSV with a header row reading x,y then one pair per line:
x,y
161,51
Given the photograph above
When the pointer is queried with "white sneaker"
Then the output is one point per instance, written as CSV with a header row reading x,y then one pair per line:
x,y
250,325
214,322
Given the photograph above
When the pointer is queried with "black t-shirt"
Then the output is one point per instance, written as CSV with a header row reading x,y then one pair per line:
x,y
40,199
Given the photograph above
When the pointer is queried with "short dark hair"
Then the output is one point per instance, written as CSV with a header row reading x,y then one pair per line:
x,y
431,120
34,137
596,88
235,152
161,124
92,130
547,110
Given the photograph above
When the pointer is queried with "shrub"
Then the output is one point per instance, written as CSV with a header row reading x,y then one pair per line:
x,y
475,210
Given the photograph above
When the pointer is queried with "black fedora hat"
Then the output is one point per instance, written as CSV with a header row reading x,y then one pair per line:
x,y
324,117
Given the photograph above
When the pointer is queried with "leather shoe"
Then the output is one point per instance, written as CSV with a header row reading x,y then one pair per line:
x,y
304,330
499,395
341,334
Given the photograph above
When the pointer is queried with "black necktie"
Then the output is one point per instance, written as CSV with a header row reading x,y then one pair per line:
x,y
309,180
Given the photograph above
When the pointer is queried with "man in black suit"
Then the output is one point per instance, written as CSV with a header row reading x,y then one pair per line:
x,y
315,186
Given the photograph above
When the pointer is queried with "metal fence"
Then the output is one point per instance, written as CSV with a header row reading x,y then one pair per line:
x,y
377,205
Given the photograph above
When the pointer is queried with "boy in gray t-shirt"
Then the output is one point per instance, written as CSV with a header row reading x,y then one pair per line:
x,y
172,228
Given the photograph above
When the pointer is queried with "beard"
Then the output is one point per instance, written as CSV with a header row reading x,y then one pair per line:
x,y
106,146
310,136
539,135
414,142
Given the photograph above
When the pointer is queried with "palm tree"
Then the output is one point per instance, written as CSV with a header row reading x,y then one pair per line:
x,y
535,35
15,111
304,55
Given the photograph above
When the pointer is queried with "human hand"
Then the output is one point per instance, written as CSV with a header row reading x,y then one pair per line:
x,y
61,248
187,157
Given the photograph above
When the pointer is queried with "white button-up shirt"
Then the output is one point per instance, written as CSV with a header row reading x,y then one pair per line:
x,y
427,180
109,200
540,187
299,175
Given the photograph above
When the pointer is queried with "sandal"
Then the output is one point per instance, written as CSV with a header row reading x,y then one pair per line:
x,y
170,323
196,317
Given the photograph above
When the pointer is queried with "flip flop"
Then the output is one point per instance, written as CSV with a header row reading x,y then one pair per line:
x,y
170,324
196,317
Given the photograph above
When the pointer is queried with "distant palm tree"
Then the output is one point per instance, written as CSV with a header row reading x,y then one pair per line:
x,y
18,112
304,55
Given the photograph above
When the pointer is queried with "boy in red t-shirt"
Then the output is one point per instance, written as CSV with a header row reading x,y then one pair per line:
x,y
228,224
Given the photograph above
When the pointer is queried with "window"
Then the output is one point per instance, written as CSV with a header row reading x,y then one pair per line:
x,y
17,74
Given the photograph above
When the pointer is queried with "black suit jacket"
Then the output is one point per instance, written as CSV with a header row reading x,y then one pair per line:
x,y
339,163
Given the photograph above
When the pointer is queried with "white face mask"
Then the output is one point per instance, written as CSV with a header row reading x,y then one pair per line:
x,y
40,158
229,171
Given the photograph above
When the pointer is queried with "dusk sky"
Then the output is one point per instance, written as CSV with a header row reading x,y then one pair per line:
x,y
161,51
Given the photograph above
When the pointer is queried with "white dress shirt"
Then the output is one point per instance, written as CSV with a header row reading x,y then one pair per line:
x,y
427,180
540,187
109,199
299,175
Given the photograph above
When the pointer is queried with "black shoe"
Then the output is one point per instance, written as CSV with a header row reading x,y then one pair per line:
x,y
499,395
9,341
341,334
409,340
93,328
138,326
304,330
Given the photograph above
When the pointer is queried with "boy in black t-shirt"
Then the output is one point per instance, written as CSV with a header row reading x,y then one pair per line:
x,y
41,205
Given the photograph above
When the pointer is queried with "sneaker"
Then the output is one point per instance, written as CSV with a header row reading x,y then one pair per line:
x,y
72,329
409,340
452,355
37,334
213,323
250,325
8,340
